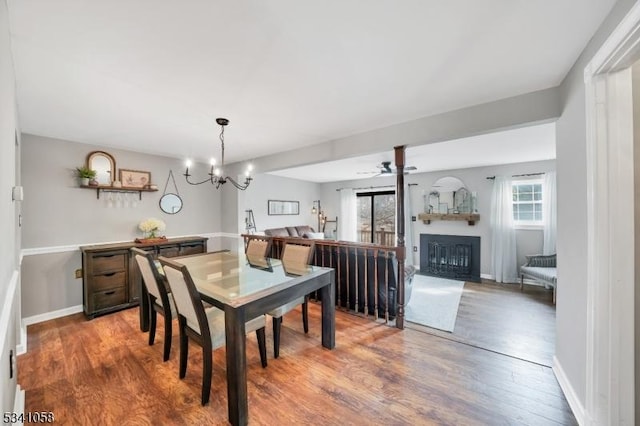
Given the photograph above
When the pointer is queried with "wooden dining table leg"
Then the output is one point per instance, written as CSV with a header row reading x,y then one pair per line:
x,y
328,296
236,366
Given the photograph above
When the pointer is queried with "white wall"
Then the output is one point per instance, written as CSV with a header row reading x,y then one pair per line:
x,y
59,213
475,179
531,108
572,216
9,211
636,196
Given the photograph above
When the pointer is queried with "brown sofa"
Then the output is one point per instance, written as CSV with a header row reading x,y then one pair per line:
x,y
289,231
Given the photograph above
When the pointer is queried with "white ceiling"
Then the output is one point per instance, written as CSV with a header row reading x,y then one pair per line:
x,y
152,75
533,143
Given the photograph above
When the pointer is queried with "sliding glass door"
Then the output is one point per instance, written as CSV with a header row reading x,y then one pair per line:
x,y
377,217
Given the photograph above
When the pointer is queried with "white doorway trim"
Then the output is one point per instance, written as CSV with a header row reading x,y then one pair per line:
x,y
610,378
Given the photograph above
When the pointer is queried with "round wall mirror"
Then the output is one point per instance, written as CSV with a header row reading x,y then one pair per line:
x,y
447,184
453,196
104,165
170,203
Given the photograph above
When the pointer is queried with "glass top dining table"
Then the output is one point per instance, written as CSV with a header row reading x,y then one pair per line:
x,y
236,279
245,288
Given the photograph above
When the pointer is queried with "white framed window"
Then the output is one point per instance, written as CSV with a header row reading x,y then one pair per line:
x,y
527,202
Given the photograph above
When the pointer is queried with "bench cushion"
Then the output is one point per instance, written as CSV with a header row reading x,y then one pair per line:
x,y
548,275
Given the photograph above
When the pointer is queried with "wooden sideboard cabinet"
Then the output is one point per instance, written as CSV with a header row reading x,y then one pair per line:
x,y
110,279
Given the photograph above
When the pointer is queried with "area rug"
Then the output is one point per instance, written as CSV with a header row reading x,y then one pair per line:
x,y
434,302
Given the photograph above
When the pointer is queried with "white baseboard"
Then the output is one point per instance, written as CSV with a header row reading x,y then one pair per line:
x,y
52,315
8,309
487,276
18,402
22,348
569,392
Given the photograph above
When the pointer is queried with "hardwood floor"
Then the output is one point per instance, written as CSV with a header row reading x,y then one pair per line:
x,y
500,318
103,372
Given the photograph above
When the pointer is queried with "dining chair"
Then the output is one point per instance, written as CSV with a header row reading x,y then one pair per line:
x,y
158,296
205,326
257,245
295,257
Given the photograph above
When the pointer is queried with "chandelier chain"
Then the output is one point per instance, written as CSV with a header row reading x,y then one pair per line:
x,y
222,142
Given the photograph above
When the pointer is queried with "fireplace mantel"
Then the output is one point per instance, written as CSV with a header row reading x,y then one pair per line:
x,y
470,218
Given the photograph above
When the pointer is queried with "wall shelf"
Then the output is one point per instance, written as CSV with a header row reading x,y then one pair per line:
x,y
123,189
470,218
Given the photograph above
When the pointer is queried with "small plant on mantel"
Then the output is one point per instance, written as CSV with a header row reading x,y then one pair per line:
x,y
85,174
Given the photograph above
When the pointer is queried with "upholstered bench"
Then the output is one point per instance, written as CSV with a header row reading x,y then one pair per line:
x,y
541,268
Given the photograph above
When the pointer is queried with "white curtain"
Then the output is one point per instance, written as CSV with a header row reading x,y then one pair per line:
x,y
408,224
549,213
503,234
347,225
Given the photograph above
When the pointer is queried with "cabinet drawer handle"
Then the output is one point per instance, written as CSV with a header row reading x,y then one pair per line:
x,y
109,293
110,274
106,255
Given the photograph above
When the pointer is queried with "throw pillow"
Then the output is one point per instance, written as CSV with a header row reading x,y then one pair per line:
x,y
314,235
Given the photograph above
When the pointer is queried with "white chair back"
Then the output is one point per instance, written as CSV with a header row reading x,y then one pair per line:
x,y
182,296
149,278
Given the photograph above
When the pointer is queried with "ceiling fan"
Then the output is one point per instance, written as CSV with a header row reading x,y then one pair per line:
x,y
384,168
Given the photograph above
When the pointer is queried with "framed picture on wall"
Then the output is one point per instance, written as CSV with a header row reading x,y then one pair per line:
x,y
134,178
281,207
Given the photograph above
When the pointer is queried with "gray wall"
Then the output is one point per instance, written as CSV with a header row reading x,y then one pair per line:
x,y
59,213
572,213
48,282
268,187
9,210
475,179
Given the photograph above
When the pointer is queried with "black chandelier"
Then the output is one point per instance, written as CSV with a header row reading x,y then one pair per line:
x,y
216,173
